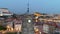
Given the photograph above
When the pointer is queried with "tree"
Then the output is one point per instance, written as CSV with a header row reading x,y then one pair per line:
x,y
2,28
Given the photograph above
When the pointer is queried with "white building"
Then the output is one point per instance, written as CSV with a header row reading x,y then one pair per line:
x,y
5,12
45,28
17,25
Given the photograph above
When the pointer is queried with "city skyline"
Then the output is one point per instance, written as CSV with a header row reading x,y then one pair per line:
x,y
42,6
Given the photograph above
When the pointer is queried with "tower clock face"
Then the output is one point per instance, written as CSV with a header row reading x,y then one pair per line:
x,y
29,21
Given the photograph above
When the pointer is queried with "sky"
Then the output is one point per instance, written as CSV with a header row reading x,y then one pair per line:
x,y
41,6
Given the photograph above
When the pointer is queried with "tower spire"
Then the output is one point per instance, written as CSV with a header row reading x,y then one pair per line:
x,y
28,7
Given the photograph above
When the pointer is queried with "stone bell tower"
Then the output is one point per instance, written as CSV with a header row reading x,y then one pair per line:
x,y
28,26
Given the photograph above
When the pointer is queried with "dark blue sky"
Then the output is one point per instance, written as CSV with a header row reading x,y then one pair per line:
x,y
42,6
